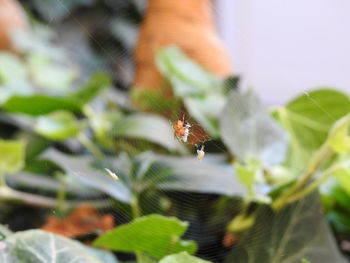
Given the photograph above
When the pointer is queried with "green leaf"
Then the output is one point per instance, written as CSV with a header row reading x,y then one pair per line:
x,y
150,127
4,232
250,132
246,176
82,168
156,100
206,110
154,235
338,137
12,69
305,261
241,223
40,104
102,255
184,245
13,77
11,156
44,183
343,176
39,40
98,82
50,75
201,177
296,232
187,76
202,92
44,247
308,119
143,258
182,257
335,194
59,125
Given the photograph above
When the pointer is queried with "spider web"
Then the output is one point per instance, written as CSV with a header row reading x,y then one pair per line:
x,y
206,231
197,208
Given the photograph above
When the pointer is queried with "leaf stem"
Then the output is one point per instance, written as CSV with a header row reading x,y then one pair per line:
x,y
320,157
315,184
135,208
317,160
61,195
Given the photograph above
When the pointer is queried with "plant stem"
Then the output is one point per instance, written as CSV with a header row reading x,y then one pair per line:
x,y
87,143
317,160
135,208
315,184
320,157
61,196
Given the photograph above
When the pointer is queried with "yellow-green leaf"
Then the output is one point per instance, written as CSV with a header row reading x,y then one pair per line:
x,y
11,155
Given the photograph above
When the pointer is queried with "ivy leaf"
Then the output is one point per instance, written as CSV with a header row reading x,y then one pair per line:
x,y
143,258
338,137
308,119
59,125
147,126
161,234
11,156
49,75
206,110
12,70
343,176
296,232
335,201
202,92
4,232
45,247
182,257
250,132
13,77
187,76
246,175
82,168
97,83
201,177
40,104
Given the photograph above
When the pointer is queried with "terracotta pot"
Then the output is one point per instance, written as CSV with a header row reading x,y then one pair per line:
x,y
12,17
188,24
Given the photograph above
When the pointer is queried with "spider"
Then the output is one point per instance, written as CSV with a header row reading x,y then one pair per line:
x,y
181,130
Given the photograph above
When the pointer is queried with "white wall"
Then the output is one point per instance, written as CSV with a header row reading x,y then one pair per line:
x,y
282,48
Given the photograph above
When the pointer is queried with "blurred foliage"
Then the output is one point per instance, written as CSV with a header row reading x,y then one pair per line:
x,y
162,235
38,245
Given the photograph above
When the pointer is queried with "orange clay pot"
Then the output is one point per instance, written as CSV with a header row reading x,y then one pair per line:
x,y
188,24
12,17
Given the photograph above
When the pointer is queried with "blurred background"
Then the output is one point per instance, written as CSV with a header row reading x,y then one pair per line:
x,y
283,48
